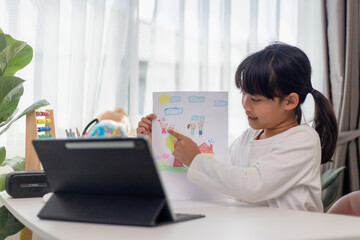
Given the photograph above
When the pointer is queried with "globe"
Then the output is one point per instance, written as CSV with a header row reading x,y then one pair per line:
x,y
107,128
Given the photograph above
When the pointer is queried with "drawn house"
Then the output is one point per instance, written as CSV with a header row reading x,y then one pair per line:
x,y
207,150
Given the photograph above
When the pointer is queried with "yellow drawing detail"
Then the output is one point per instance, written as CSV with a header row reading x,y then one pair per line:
x,y
163,99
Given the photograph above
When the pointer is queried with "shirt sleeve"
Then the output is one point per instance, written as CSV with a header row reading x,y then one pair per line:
x,y
291,162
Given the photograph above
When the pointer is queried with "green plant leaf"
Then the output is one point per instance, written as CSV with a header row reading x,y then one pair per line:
x,y
23,58
2,41
14,57
2,181
5,170
11,89
34,106
17,163
328,177
2,154
10,39
8,54
10,118
9,225
330,181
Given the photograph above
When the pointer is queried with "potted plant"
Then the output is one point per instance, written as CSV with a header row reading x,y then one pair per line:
x,y
14,55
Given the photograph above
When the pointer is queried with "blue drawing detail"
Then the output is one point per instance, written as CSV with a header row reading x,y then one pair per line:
x,y
173,111
175,99
197,118
201,126
196,99
220,103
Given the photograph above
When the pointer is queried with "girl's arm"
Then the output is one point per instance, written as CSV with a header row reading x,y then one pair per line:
x,y
290,164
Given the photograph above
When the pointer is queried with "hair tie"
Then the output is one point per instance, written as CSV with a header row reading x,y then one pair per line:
x,y
312,91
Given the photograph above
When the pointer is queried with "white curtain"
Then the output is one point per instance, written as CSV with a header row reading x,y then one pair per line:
x,y
80,62
94,55
197,45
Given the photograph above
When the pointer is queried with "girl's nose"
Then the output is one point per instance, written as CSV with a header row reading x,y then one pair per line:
x,y
245,101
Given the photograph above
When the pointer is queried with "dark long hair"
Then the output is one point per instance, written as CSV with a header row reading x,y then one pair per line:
x,y
281,69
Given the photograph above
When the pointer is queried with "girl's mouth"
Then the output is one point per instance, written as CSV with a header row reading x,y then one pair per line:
x,y
252,119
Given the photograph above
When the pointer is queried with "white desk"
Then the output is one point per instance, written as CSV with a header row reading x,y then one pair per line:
x,y
222,221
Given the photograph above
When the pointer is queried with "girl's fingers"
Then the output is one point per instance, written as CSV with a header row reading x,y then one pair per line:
x,y
151,116
175,154
144,125
179,136
141,130
146,120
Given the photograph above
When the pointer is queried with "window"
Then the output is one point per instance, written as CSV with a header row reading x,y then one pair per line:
x,y
82,49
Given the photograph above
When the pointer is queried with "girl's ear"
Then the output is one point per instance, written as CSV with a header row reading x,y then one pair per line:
x,y
291,101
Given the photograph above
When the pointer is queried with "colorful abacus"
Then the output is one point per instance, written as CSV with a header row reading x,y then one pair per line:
x,y
39,124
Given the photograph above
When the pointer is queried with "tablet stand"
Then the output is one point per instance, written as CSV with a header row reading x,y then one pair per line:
x,y
124,210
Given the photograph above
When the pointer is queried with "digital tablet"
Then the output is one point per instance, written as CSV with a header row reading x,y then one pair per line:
x,y
104,180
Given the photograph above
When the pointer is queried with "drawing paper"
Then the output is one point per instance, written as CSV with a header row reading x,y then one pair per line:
x,y
202,116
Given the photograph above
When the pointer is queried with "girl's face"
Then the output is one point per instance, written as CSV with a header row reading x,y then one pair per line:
x,y
267,114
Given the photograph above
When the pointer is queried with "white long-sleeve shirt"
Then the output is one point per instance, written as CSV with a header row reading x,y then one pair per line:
x,y
280,171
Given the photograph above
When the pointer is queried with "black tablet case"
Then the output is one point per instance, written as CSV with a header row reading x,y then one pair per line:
x,y
104,180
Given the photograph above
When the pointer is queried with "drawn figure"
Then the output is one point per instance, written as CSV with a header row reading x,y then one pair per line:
x,y
192,127
200,126
163,125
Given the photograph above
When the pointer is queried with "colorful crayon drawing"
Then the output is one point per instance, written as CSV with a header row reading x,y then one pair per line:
x,y
175,99
220,103
166,163
201,116
173,111
171,164
207,150
196,99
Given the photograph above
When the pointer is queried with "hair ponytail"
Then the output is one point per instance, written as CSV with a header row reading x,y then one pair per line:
x,y
326,125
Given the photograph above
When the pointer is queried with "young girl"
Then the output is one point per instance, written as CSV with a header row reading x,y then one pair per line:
x,y
277,161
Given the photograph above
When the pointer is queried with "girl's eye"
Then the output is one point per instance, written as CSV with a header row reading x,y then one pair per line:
x,y
255,99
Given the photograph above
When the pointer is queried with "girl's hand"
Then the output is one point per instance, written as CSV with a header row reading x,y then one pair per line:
x,y
145,125
185,148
